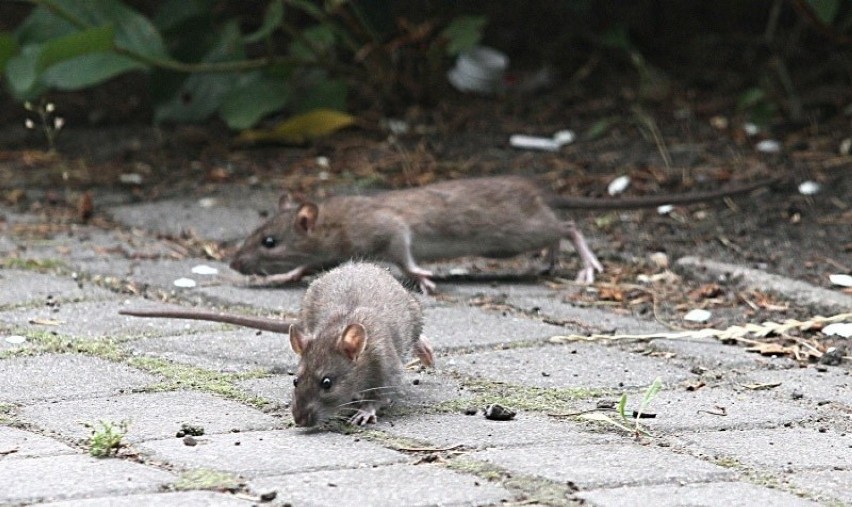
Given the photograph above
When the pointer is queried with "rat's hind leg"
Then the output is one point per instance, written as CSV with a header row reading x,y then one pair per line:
x,y
423,351
399,251
590,262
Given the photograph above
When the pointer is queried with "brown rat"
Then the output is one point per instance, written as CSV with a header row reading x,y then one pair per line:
x,y
490,217
357,323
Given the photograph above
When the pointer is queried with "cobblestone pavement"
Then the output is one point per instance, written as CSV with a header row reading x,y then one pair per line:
x,y
68,359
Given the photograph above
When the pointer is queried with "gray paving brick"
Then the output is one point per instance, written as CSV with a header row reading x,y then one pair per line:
x,y
180,499
815,386
458,327
163,273
242,350
286,299
568,366
388,486
594,466
495,291
679,409
477,432
27,288
713,355
580,320
151,415
713,494
99,319
65,376
802,293
221,222
70,476
833,485
17,444
778,449
272,452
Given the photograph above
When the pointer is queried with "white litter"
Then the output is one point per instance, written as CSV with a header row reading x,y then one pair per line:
x,y
207,202
533,143
843,329
564,137
768,146
184,283
665,209
16,339
697,315
618,185
841,280
323,162
203,269
751,129
809,187
130,178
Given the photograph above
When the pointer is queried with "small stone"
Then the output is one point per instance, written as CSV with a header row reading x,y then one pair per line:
x,y
268,496
618,185
416,381
495,412
470,411
697,315
797,395
203,269
185,283
190,441
809,187
832,357
768,146
191,429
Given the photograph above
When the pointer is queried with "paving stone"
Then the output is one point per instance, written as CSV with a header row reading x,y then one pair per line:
x,y
9,340
27,444
795,290
388,486
459,327
151,415
65,376
477,432
220,222
835,384
678,409
496,291
286,299
162,273
272,452
27,288
834,484
585,366
100,319
242,350
720,494
180,499
580,320
70,476
713,355
777,449
607,465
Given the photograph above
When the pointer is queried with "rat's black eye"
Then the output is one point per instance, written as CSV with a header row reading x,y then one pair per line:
x,y
296,382
269,242
326,383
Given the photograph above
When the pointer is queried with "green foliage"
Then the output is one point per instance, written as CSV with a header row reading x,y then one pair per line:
x,y
825,10
298,55
106,438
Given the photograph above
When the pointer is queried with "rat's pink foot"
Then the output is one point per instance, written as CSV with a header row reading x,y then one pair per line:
x,y
423,279
293,275
423,351
366,415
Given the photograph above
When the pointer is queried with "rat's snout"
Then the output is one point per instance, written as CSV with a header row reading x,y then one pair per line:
x,y
304,415
237,265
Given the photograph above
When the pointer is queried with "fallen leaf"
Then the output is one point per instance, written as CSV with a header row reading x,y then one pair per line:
x,y
769,349
709,290
300,129
46,322
759,387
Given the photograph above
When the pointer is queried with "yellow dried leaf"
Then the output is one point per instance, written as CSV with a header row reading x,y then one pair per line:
x,y
300,129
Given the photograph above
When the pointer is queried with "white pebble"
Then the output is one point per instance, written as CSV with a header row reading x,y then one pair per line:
x,y
768,146
751,129
184,283
697,315
841,280
207,202
203,269
323,162
660,259
665,209
809,187
130,178
845,146
843,329
16,339
618,185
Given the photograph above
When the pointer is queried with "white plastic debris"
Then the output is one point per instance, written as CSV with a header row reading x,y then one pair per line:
x,y
809,187
665,209
660,259
397,127
459,271
841,280
618,185
768,146
697,315
751,129
15,339
130,178
564,137
843,329
184,283
207,202
845,146
203,269
480,70
323,162
533,143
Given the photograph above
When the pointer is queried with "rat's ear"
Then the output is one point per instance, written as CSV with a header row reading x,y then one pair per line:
x,y
298,339
306,217
353,341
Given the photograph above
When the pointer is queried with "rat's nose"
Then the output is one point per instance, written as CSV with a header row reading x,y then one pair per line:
x,y
237,265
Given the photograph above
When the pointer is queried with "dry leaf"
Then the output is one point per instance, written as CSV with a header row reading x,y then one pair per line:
x,y
769,349
300,129
46,322
758,387
711,290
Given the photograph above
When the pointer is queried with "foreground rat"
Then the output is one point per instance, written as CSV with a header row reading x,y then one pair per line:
x,y
490,217
357,323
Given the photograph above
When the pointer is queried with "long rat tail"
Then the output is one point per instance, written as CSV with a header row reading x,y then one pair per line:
x,y
265,324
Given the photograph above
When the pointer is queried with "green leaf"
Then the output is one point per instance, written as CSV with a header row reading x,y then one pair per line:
x,y
86,41
318,40
252,100
300,129
622,403
825,10
88,70
463,33
650,393
329,93
42,25
271,20
21,71
174,13
8,48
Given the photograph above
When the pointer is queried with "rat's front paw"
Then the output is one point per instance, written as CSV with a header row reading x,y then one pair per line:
x,y
363,416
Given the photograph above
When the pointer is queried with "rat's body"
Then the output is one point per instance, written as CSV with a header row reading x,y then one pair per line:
x,y
357,323
489,217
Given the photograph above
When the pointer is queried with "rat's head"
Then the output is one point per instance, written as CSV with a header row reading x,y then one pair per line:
x,y
283,243
326,381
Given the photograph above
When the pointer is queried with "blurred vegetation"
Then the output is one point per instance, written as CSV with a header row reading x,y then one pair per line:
x,y
242,61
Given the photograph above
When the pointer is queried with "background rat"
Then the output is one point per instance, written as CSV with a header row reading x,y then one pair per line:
x,y
490,217
357,322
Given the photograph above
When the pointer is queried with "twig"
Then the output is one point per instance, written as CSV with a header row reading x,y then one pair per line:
x,y
430,449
